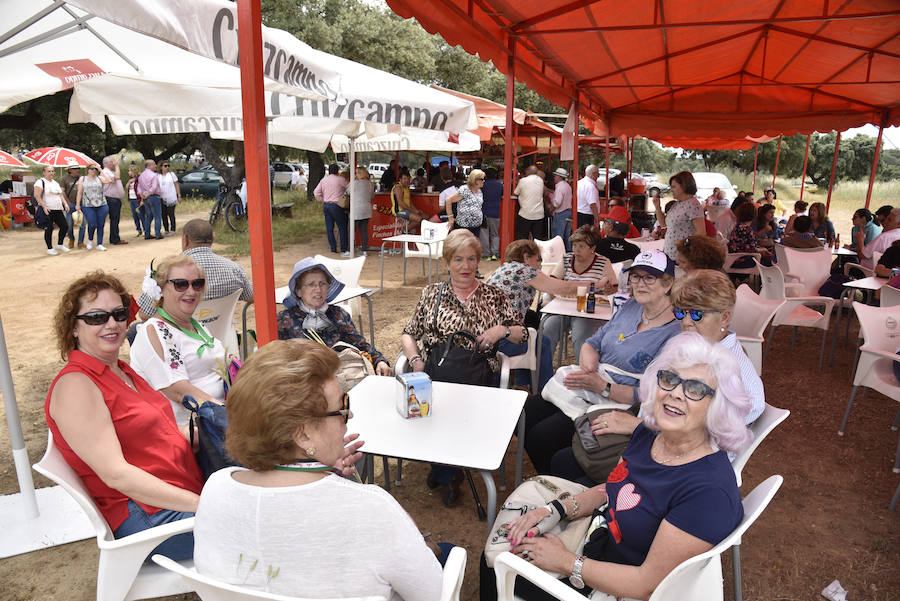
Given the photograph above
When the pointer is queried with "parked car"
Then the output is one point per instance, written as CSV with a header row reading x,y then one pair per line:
x,y
706,181
201,182
376,170
653,183
283,173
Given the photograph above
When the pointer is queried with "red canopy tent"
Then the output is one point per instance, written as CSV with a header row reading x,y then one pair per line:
x,y
670,69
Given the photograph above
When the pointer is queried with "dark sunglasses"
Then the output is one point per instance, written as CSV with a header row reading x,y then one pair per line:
x,y
696,314
345,411
181,284
695,390
98,318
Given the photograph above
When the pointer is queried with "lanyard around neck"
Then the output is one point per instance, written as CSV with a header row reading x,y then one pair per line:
x,y
206,341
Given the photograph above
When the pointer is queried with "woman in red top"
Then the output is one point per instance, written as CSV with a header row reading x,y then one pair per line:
x,y
115,431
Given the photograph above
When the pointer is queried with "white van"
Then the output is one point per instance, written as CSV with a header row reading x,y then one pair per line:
x,y
376,170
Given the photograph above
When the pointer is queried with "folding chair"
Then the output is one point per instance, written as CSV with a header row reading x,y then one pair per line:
x,y
696,579
752,314
211,589
122,574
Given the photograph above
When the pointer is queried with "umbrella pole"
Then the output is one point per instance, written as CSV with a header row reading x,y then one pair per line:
x,y
17,441
507,213
352,232
874,163
837,144
575,162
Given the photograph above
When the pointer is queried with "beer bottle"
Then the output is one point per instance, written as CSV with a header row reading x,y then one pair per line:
x,y
591,301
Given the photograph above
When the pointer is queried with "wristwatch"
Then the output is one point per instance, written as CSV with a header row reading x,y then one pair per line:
x,y
508,333
606,391
575,578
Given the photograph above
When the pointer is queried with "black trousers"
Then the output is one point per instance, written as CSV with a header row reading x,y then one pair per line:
x,y
547,430
584,219
168,217
57,218
534,228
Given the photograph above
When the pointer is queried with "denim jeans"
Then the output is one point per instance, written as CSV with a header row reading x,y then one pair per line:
x,y
179,547
562,227
153,210
115,211
136,212
96,219
335,215
72,225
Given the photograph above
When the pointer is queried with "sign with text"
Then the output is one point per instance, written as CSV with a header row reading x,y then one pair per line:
x,y
72,71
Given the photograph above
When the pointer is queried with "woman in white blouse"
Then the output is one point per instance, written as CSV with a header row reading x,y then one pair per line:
x,y
290,524
172,350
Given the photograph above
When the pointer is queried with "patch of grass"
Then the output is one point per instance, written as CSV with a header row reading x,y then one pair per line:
x,y
306,223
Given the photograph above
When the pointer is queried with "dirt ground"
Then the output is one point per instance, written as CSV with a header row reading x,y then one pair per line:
x,y
829,520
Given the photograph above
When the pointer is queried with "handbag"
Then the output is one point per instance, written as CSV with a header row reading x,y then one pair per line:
x,y
449,362
576,402
531,494
210,421
355,365
41,219
598,456
343,201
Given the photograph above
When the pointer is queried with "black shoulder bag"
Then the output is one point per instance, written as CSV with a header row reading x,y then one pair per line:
x,y
449,362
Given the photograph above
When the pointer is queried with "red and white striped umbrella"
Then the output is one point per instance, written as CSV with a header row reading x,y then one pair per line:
x,y
8,160
59,157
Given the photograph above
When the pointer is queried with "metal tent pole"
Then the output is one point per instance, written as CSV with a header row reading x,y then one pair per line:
x,y
805,162
837,144
875,163
507,215
755,161
777,156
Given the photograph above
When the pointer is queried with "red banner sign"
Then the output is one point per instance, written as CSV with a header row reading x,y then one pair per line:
x,y
72,71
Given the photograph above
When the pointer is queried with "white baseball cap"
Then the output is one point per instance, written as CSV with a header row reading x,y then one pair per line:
x,y
654,261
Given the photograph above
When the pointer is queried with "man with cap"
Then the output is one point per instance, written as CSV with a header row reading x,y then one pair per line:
x,y
562,206
69,185
613,246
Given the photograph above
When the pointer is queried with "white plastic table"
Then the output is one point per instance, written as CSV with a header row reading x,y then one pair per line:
x,y
405,239
471,427
568,307
346,294
869,285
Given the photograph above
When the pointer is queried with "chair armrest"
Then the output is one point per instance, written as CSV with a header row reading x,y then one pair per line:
x,y
151,537
507,566
868,272
401,365
879,353
454,572
793,276
504,370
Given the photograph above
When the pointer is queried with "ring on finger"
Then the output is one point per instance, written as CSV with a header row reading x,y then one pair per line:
x,y
605,424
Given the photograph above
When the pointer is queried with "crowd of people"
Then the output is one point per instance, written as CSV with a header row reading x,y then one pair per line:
x,y
685,392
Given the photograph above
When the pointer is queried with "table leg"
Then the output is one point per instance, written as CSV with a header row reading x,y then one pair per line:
x,y
371,321
491,508
837,325
382,267
520,449
403,249
429,261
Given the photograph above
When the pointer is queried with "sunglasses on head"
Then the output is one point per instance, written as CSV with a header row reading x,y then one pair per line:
x,y
345,409
98,317
695,314
694,390
181,284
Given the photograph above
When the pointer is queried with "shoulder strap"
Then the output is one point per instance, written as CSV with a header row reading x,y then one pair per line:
x,y
437,305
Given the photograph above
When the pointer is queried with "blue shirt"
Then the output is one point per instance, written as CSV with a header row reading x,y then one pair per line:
x,y
620,344
700,498
493,192
872,231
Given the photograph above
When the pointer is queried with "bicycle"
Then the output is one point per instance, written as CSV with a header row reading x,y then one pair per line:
x,y
229,202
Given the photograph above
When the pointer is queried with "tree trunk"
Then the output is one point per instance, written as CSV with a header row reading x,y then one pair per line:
x,y
316,172
231,175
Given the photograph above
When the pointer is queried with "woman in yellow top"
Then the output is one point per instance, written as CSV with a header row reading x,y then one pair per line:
x,y
402,205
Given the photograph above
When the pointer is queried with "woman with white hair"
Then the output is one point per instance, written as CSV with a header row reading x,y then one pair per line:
x,y
673,494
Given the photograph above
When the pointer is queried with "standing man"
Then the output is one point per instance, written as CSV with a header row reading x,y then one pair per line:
x,y
588,197
114,192
329,192
492,191
148,191
69,185
170,192
529,219
562,206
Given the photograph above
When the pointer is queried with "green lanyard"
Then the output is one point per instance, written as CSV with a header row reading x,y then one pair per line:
x,y
206,341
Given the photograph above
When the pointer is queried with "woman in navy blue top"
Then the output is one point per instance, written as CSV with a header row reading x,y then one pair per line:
x,y
673,494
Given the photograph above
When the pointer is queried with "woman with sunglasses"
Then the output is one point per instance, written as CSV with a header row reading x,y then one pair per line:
x,y
672,496
290,525
111,426
172,350
91,199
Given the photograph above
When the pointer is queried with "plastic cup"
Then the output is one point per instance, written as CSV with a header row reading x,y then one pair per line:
x,y
430,189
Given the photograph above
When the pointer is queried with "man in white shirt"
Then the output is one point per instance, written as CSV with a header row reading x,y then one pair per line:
x,y
562,206
588,197
881,242
529,220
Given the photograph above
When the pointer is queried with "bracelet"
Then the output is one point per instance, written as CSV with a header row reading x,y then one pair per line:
x,y
415,358
574,513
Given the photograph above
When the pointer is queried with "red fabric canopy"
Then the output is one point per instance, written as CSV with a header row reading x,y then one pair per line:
x,y
715,69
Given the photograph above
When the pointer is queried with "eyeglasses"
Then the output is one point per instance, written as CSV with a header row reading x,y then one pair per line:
x,y
165,165
695,314
181,284
316,285
345,410
648,278
694,390
98,318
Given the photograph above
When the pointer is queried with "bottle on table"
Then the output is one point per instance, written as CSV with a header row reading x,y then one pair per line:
x,y
591,302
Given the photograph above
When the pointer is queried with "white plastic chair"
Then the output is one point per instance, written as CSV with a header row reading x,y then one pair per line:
x,y
696,579
808,268
552,250
880,328
121,573
419,250
890,296
217,316
528,360
210,589
795,311
752,314
732,258
649,244
347,272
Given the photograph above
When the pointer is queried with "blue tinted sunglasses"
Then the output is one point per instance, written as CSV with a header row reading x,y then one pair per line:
x,y
696,314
